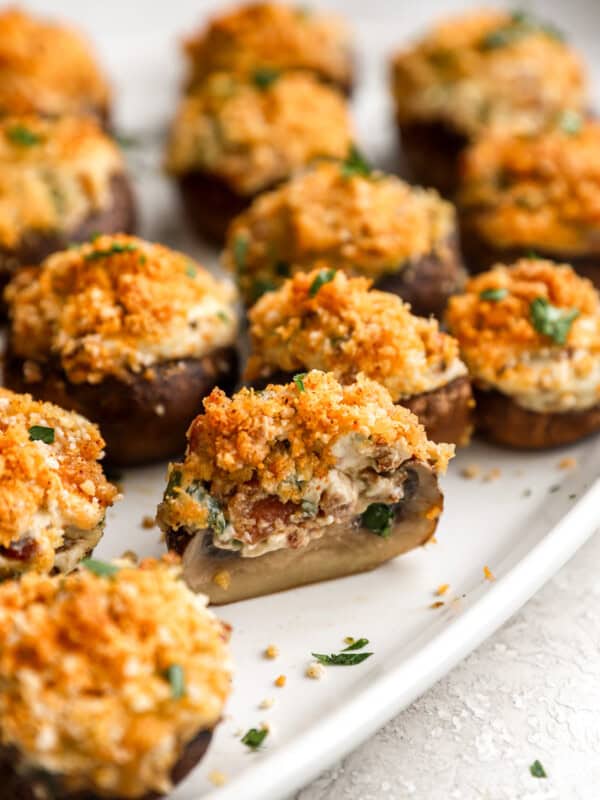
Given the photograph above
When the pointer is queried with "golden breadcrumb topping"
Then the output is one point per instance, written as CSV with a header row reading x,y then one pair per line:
x,y
488,69
53,174
531,328
367,224
272,36
286,435
106,678
116,305
47,68
50,480
325,320
253,133
541,191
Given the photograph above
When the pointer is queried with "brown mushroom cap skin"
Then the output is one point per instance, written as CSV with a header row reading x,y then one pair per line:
x,y
345,549
126,410
119,217
45,786
431,154
504,422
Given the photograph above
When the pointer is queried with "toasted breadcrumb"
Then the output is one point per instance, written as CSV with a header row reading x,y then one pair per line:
x,y
315,671
217,778
346,328
492,475
366,225
567,463
272,651
488,574
101,647
222,578
280,681
116,305
252,137
442,588
148,522
471,471
47,68
488,69
437,604
271,36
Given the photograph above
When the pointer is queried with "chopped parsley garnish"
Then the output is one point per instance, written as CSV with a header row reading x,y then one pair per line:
x,y
19,134
310,509
115,249
264,77
299,381
94,235
216,518
40,433
191,270
100,568
537,770
240,249
173,483
342,659
125,140
355,164
552,321
493,294
520,26
254,738
223,316
378,518
176,677
323,277
358,644
282,268
260,287
570,122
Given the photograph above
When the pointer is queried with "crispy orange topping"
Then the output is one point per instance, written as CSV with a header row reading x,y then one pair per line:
x,y
271,36
104,648
494,323
118,304
541,192
346,328
53,174
488,69
47,488
365,225
47,68
253,136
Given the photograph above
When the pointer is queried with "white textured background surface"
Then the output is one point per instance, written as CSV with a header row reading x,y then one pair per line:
x,y
533,690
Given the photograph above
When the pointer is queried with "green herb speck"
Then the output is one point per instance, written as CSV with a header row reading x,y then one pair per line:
x,y
191,270
378,518
299,381
19,134
341,659
323,276
357,644
493,295
552,321
355,164
264,77
176,677
40,433
537,770
254,738
570,122
100,568
115,249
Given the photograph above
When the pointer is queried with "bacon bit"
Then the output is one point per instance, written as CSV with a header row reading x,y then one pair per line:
x,y
315,671
222,578
280,681
437,604
433,512
217,778
492,475
148,522
471,471
272,651
442,589
488,574
567,463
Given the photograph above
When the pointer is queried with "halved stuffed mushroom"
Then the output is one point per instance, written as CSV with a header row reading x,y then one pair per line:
x,y
271,36
234,137
530,336
404,238
299,483
482,70
523,194
47,68
53,493
112,680
325,320
130,334
61,181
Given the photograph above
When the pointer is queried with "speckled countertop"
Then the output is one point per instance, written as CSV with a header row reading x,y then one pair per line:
x,y
531,692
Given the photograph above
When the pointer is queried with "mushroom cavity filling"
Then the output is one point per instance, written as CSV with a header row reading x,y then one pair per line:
x,y
53,494
313,478
111,681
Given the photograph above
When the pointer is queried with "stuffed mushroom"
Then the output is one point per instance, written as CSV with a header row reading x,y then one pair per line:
x,y
271,36
541,194
53,493
404,238
47,68
488,69
530,336
112,680
299,483
130,334
61,181
234,137
325,320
